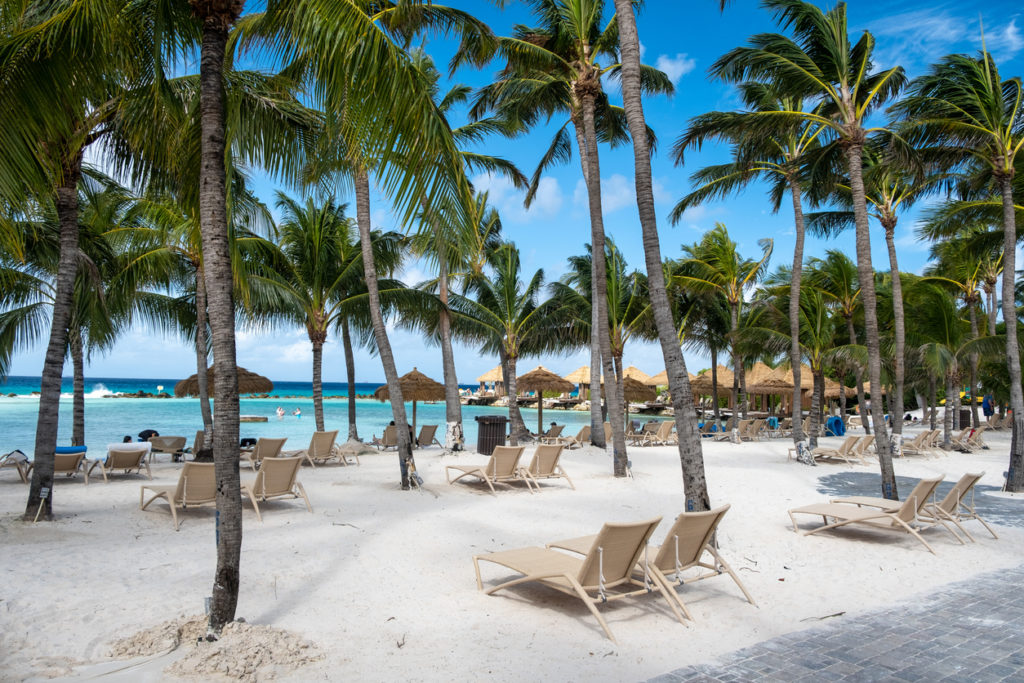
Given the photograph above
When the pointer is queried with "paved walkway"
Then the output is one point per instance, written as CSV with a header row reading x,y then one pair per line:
x,y
967,631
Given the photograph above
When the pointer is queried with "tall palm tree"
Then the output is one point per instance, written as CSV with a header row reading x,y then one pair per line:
x,y
820,62
323,277
956,269
714,265
963,104
890,187
557,68
691,458
837,276
780,159
507,317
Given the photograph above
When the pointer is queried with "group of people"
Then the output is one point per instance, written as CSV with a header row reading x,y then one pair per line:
x,y
280,413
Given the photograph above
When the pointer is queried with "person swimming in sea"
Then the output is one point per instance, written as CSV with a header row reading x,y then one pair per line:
x,y
280,413
297,413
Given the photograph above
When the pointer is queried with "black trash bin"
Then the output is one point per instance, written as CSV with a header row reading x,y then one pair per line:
x,y
965,418
490,432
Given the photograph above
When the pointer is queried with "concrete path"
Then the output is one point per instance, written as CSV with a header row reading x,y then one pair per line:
x,y
967,631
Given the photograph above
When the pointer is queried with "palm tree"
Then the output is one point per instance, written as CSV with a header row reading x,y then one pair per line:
x,y
837,276
507,317
958,270
890,186
780,159
691,458
819,62
322,278
557,68
962,104
714,265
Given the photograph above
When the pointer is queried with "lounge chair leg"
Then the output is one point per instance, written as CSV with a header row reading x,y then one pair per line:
x,y
735,577
302,492
672,596
593,609
913,531
476,566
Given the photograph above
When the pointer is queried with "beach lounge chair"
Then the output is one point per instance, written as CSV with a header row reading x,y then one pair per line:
x,y
545,465
861,450
607,432
18,461
68,464
577,441
956,509
840,453
663,435
974,440
552,435
389,439
726,433
264,448
502,467
321,449
683,548
276,479
123,458
903,518
918,445
172,445
607,564
426,437
705,428
925,512
197,485
197,443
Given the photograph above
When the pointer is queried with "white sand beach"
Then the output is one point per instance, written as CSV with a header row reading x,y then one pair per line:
x,y
382,581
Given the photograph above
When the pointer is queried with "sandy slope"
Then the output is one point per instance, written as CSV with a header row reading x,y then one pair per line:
x,y
383,582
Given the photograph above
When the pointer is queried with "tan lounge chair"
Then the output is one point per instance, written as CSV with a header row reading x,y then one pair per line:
x,y
842,453
68,464
545,465
123,459
320,450
919,444
955,508
501,467
18,461
427,436
726,433
902,519
925,512
197,485
661,437
172,445
577,441
264,448
275,479
684,547
389,439
607,564
552,435
607,432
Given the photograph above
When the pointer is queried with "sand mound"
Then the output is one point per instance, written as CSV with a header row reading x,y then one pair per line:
x,y
245,652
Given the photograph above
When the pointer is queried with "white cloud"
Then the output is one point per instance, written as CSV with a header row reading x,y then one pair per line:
x,y
1005,43
676,67
617,191
502,195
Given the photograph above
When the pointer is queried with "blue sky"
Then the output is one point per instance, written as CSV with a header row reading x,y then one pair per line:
x,y
683,39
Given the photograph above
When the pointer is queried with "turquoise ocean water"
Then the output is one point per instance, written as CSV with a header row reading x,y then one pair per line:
x,y
108,420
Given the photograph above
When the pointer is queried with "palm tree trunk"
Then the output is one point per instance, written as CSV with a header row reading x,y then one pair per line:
x,y
973,369
955,399
899,342
78,391
599,284
794,307
596,401
817,392
992,311
452,400
350,376
714,385
934,391
947,414
40,494
517,427
691,456
620,388
866,276
318,387
1015,473
842,399
737,365
858,377
218,277
202,356
380,333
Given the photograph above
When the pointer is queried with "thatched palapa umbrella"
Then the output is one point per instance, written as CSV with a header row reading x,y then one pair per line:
x,y
702,383
637,374
540,380
580,376
497,376
248,383
415,387
661,379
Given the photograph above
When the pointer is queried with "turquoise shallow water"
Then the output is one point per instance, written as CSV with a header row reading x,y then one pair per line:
x,y
108,420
